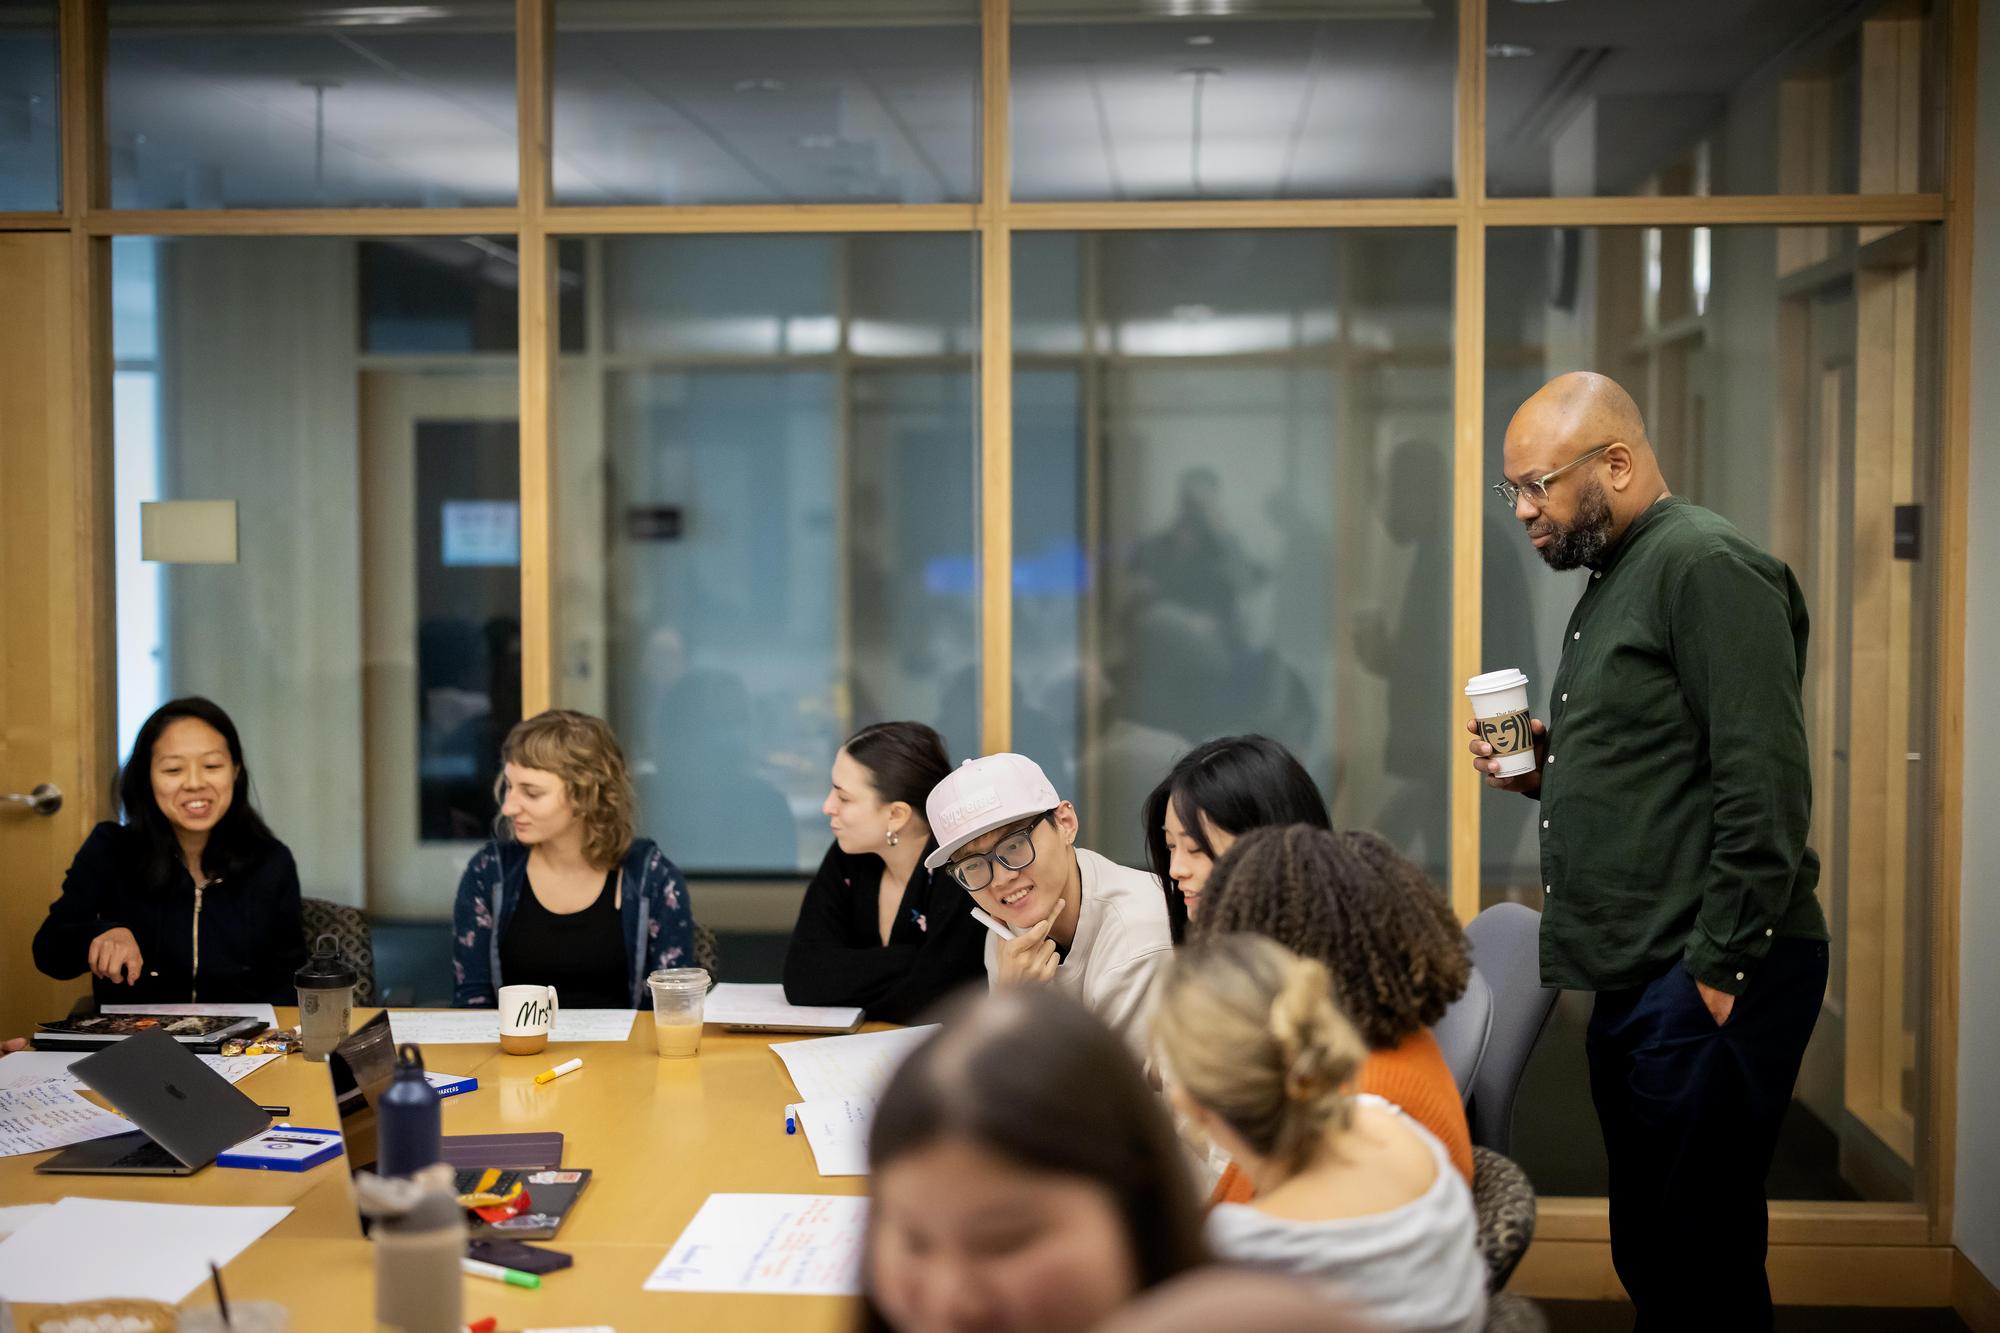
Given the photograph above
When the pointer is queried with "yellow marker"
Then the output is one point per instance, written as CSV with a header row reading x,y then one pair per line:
x,y
551,1075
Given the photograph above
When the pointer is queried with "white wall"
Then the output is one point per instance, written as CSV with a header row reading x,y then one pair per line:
x,y
1977,1231
257,347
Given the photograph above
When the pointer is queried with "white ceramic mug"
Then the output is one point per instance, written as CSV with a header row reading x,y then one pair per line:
x,y
527,1016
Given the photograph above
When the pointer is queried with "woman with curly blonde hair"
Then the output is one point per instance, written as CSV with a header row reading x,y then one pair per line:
x,y
1351,1193
565,895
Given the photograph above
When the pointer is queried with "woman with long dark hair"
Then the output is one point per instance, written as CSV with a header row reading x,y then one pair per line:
x,y
191,897
1216,793
876,929
1026,1179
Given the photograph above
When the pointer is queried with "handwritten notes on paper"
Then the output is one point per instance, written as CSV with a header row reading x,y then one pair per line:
x,y
838,1133
481,1027
769,1244
26,1068
854,1068
42,1116
841,1078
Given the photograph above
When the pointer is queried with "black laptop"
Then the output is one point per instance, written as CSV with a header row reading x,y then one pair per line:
x,y
187,1113
362,1066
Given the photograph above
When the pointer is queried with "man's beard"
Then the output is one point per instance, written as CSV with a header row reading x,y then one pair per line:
x,y
1584,538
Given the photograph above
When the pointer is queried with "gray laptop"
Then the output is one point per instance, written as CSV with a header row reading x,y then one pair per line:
x,y
186,1112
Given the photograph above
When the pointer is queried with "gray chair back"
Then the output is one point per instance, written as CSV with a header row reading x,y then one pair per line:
x,y
349,926
1506,948
1463,1032
707,954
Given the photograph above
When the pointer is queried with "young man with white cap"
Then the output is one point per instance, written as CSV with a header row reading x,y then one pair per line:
x,y
1086,924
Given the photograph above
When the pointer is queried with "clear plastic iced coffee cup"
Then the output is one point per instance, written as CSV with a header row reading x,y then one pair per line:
x,y
678,995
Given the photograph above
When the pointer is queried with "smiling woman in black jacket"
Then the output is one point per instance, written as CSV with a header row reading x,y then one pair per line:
x,y
192,897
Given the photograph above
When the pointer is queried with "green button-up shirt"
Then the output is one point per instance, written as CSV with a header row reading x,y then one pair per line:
x,y
1677,788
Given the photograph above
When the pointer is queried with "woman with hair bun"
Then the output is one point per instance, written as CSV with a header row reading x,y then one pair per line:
x,y
877,930
1351,1193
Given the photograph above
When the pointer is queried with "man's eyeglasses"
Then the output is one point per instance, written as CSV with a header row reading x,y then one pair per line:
x,y
1537,490
1016,851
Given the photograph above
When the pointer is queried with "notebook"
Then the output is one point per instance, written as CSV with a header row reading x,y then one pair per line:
x,y
93,1032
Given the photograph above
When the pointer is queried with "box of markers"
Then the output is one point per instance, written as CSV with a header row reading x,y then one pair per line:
x,y
450,1085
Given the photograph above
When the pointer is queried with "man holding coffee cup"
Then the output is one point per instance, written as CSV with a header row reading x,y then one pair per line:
x,y
1676,878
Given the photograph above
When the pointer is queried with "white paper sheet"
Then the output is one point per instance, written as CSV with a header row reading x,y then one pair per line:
x,y
51,1115
14,1218
734,1004
783,1244
25,1068
481,1027
236,1068
838,1133
100,1249
261,1011
855,1068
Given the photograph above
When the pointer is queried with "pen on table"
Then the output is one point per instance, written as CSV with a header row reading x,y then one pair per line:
x,y
513,1277
275,1110
791,1119
551,1075
221,1301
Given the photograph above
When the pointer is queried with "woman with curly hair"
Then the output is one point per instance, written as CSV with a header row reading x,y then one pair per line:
x,y
1389,941
1351,1193
566,896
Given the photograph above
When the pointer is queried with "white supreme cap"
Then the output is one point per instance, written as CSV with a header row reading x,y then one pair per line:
x,y
982,795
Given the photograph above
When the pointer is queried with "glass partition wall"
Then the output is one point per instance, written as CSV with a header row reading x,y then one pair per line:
x,y
1087,379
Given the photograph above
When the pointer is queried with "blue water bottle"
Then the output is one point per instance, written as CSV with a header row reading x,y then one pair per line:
x,y
411,1124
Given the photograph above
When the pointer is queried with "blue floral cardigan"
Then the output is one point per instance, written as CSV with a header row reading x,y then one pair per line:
x,y
656,911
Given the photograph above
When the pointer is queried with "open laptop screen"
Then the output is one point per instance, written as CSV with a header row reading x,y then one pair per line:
x,y
361,1066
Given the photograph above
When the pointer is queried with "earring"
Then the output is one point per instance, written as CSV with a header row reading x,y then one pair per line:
x,y
893,839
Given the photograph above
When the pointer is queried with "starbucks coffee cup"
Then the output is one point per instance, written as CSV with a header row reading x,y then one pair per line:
x,y
1500,706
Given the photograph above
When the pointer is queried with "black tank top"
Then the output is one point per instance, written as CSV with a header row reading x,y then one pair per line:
x,y
581,954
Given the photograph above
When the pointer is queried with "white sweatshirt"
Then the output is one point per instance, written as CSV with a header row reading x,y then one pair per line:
x,y
1122,940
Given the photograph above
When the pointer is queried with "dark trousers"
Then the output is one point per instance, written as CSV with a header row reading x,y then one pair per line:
x,y
1690,1113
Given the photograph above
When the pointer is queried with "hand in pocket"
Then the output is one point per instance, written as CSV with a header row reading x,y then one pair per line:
x,y
1720,1003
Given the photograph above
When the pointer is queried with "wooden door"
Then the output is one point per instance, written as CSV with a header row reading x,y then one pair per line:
x,y
54,604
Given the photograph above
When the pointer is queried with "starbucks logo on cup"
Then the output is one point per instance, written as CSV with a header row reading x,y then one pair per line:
x,y
1509,733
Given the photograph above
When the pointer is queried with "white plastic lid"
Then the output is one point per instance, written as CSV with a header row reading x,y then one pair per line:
x,y
1495,681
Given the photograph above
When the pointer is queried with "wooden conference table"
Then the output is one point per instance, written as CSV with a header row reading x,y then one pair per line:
x,y
660,1135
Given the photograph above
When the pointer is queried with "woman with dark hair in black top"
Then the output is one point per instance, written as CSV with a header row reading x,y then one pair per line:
x,y
876,929
1216,793
192,897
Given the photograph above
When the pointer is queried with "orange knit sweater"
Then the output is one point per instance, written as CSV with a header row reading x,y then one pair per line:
x,y
1414,1076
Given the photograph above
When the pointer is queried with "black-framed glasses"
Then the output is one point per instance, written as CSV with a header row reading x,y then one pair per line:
x,y
1016,851
1537,490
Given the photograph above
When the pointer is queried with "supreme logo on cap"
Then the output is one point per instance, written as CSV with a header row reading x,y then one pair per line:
x,y
974,801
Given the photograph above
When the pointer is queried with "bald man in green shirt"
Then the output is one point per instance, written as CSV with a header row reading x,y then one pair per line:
x,y
1675,790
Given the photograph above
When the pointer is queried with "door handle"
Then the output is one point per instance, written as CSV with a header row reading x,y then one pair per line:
x,y
43,800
